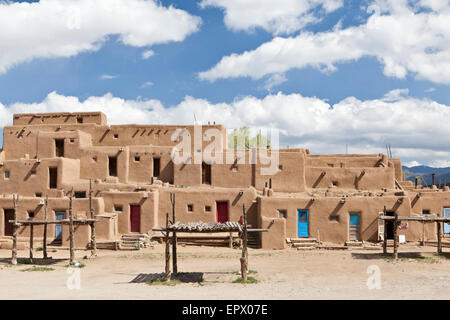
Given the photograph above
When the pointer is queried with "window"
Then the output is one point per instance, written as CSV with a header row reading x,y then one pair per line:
x,y
94,159
156,167
53,177
30,214
190,207
280,167
207,208
282,213
59,147
72,140
112,165
137,158
335,183
425,211
206,173
116,135
6,174
80,194
38,194
79,119
118,208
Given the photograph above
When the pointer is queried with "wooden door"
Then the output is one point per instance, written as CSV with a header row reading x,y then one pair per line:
x,y
354,227
206,173
303,223
135,218
8,227
222,211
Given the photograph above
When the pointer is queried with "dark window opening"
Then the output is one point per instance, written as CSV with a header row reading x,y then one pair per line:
x,y
190,207
53,177
59,147
72,140
116,136
38,194
137,158
208,208
118,208
7,174
79,119
112,165
80,194
280,167
282,213
156,167
425,211
334,218
206,173
30,214
335,183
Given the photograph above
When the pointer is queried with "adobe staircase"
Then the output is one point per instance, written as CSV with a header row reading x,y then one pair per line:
x,y
253,240
302,242
134,241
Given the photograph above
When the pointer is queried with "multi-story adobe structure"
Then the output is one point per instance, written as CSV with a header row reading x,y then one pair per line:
x,y
337,196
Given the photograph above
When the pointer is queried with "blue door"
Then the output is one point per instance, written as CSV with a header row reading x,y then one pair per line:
x,y
446,225
303,221
59,215
354,227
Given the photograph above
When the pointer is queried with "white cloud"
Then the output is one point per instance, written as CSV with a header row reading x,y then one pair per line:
x,y
147,84
147,54
440,164
403,38
417,129
65,28
277,17
430,90
108,77
274,80
410,164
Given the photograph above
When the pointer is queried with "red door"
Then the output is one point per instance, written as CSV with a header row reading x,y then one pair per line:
x,y
222,211
135,218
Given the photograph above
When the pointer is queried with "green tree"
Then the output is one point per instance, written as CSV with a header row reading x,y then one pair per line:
x,y
241,139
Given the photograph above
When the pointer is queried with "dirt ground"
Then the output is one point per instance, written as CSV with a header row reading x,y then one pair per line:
x,y
281,274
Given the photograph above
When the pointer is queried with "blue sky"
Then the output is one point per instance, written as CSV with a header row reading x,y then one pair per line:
x,y
205,70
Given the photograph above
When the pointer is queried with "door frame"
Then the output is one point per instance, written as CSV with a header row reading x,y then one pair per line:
x,y
307,222
228,209
140,215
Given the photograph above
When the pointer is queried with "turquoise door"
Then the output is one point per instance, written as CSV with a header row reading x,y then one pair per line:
x,y
354,220
354,227
446,213
59,215
303,223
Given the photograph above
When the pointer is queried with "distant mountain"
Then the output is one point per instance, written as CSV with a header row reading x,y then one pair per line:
x,y
425,172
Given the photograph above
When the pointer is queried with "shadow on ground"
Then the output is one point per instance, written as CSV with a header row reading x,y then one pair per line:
x,y
401,255
186,277
36,261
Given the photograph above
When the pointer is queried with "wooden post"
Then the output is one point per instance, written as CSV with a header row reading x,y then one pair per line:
x,y
439,241
15,228
167,275
31,243
423,233
231,240
44,244
395,236
384,236
244,257
92,224
174,236
72,252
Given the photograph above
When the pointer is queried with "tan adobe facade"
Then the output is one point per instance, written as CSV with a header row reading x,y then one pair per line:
x,y
337,196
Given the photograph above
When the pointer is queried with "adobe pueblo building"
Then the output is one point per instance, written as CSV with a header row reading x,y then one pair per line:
x,y
335,197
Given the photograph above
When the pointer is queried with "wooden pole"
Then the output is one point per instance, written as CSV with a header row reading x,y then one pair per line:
x,y
244,257
44,244
231,240
31,243
423,233
72,252
439,241
174,236
92,224
395,236
167,275
15,228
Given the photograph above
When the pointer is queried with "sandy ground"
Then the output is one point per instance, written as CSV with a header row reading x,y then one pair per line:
x,y
282,274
